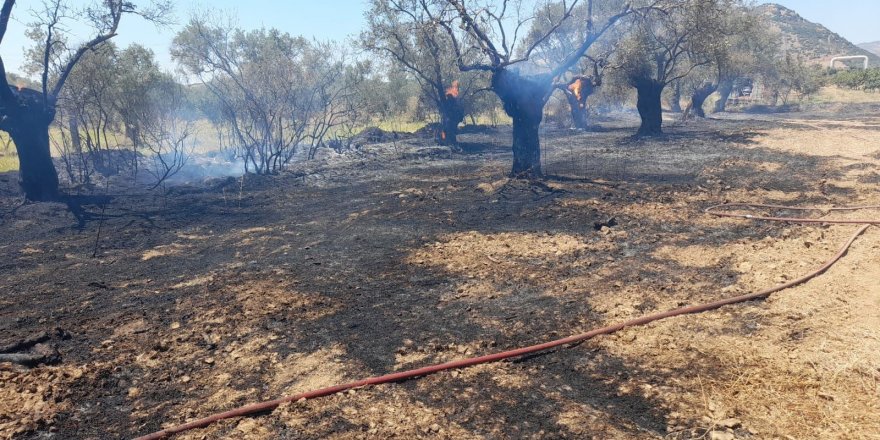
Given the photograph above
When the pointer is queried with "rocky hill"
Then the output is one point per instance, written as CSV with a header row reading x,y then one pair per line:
x,y
813,40
873,47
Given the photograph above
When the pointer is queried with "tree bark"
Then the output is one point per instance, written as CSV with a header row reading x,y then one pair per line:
x,y
524,98
724,89
451,115
38,177
577,92
579,114
698,98
675,99
28,125
649,106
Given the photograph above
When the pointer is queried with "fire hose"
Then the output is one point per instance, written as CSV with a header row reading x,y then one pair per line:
x,y
269,405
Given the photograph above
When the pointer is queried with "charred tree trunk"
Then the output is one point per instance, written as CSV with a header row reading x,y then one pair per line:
x,y
451,115
524,99
579,114
698,98
724,88
649,106
27,122
675,99
577,93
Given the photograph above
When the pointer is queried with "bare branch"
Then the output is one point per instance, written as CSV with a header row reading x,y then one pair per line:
x,y
5,13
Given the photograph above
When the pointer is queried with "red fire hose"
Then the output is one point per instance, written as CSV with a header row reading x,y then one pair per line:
x,y
403,375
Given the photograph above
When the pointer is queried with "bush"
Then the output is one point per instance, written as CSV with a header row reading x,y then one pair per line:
x,y
868,80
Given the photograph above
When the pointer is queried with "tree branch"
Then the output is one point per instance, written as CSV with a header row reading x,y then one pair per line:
x,y
5,13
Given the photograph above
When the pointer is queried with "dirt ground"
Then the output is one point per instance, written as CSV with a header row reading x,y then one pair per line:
x,y
404,255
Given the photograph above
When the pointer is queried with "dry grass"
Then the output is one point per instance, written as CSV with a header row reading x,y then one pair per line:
x,y
8,163
834,94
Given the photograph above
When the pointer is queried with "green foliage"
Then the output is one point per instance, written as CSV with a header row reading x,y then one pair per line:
x,y
791,76
867,80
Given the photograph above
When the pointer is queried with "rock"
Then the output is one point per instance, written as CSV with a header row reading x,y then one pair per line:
x,y
731,423
209,361
134,392
434,427
175,325
721,435
610,223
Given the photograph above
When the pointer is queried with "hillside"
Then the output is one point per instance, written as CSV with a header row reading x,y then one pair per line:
x,y
813,40
873,47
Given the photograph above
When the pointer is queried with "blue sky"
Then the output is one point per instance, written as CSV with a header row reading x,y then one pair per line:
x,y
856,20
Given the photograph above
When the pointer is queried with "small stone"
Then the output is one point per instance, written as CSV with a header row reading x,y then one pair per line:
x,y
434,427
175,325
185,379
209,361
134,392
721,435
731,423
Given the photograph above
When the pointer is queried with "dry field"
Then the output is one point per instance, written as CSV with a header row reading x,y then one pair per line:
x,y
405,255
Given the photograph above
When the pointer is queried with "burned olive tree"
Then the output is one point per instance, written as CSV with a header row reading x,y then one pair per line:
x,y
407,32
26,114
493,33
665,45
585,77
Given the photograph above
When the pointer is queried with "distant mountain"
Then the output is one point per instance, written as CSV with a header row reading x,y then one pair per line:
x,y
812,40
872,47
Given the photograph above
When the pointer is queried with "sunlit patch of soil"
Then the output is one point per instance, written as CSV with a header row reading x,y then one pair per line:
x,y
173,249
32,398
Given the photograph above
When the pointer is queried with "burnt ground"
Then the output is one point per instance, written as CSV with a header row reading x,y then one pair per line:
x,y
404,255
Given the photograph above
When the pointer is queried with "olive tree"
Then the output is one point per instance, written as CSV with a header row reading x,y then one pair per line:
x,y
491,34
276,92
408,33
26,114
735,43
86,115
584,78
666,43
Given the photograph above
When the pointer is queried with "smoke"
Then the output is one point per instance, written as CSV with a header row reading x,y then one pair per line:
x,y
200,167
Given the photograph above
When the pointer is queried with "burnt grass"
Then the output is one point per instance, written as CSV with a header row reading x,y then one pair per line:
x,y
342,253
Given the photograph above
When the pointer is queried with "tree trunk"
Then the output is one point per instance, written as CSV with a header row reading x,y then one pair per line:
x,y
451,115
524,98
28,126
650,109
577,92
37,174
725,88
579,115
675,99
698,98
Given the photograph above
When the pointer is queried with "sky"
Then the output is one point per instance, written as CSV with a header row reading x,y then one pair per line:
x,y
856,20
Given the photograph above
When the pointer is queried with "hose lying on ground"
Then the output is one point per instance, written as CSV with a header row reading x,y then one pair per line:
x,y
269,405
